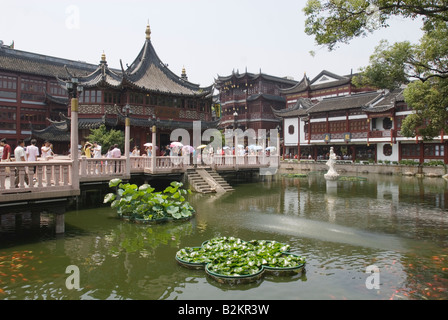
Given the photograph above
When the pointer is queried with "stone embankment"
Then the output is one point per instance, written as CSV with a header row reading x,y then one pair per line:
x,y
290,166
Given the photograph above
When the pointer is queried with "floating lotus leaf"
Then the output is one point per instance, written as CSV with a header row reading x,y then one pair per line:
x,y
233,257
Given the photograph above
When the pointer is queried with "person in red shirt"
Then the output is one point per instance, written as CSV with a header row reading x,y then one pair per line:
x,y
6,150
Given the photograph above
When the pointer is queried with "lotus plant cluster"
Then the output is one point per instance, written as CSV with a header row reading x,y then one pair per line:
x,y
144,204
230,256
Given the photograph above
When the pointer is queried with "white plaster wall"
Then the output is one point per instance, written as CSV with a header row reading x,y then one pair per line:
x,y
392,157
291,139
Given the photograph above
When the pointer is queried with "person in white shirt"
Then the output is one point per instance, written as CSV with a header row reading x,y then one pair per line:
x,y
20,156
96,150
46,150
97,155
116,153
32,152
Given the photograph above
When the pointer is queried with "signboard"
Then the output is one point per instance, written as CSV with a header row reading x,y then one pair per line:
x,y
347,137
167,112
327,137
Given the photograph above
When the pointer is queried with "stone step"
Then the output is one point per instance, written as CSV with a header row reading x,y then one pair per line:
x,y
206,180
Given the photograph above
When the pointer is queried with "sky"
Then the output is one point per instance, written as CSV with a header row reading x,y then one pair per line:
x,y
207,37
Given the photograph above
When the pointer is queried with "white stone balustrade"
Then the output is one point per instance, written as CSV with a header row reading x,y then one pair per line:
x,y
53,178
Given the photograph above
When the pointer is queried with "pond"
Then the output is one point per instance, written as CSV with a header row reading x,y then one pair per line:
x,y
398,224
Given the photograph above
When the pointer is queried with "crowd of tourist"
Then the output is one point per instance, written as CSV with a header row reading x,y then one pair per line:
x,y
24,153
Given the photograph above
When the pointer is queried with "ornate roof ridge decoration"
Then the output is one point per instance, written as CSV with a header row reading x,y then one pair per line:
x,y
351,101
39,64
307,84
148,72
386,102
302,85
300,108
252,77
266,96
58,100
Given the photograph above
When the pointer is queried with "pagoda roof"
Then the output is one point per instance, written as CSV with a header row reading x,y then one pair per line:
x,y
387,102
299,109
146,73
325,79
266,96
14,60
236,76
55,99
358,100
102,76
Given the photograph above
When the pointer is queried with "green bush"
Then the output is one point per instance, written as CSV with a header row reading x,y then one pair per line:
x,y
143,203
434,163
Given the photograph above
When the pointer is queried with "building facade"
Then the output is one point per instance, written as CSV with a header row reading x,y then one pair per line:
x,y
35,103
247,100
361,125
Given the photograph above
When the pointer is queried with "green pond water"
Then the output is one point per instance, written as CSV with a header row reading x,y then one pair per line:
x,y
399,224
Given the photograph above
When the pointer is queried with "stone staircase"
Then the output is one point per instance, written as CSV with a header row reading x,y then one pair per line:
x,y
206,180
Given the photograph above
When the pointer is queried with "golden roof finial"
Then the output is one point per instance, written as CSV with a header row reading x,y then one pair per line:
x,y
184,74
148,32
103,57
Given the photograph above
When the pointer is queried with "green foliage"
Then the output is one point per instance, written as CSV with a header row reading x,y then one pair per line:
x,y
295,175
352,178
424,66
387,67
143,203
106,138
229,256
429,99
409,162
336,21
434,163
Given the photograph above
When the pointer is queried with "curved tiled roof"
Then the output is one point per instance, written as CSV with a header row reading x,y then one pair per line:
x,y
148,72
299,109
307,84
38,64
357,100
102,76
387,102
266,96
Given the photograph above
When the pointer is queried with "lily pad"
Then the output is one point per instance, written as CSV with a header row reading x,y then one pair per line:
x,y
229,258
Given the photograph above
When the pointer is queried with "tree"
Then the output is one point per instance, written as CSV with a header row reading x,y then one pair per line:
x,y
106,139
422,66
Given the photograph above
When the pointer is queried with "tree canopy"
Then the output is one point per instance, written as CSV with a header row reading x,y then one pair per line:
x,y
423,67
106,138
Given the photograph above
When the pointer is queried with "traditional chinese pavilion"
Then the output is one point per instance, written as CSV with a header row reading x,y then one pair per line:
x,y
247,100
359,123
147,91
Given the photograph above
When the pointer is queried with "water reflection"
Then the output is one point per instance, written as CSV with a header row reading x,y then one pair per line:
x,y
396,223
